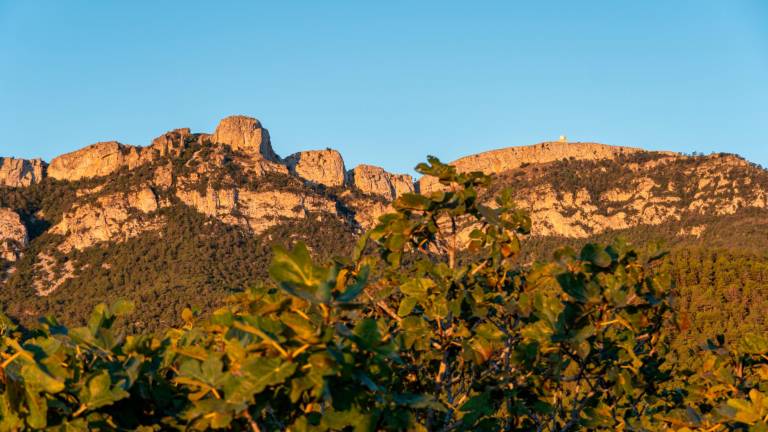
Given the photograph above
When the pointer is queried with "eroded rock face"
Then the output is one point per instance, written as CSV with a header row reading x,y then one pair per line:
x,y
96,160
375,180
497,161
367,211
21,172
712,186
172,143
245,134
325,167
13,235
110,218
256,210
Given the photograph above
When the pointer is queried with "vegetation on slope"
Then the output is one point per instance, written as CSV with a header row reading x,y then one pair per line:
x,y
411,337
194,262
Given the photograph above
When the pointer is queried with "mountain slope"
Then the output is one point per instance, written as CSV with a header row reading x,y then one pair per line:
x,y
193,216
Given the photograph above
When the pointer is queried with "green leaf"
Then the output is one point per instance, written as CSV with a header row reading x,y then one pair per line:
x,y
38,410
266,372
406,306
38,379
596,255
412,201
122,308
367,332
354,290
303,328
417,288
295,272
98,318
100,392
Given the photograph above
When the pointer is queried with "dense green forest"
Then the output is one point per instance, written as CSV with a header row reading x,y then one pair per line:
x,y
405,332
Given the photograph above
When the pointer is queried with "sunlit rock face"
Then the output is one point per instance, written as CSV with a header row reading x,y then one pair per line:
x,y
174,142
245,134
21,172
13,235
662,189
496,161
97,160
325,167
376,181
110,218
256,211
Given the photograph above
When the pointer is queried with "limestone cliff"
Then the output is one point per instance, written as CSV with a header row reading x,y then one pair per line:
x,y
173,143
242,134
255,210
234,185
13,235
246,134
375,180
497,161
110,218
96,160
580,199
325,167
21,172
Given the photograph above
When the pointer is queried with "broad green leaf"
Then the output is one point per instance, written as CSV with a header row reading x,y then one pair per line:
x,y
417,288
268,372
36,378
596,255
406,306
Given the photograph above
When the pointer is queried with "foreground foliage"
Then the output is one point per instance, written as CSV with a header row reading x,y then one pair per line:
x,y
405,334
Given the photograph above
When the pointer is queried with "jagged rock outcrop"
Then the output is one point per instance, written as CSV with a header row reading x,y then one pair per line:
x,y
97,160
325,167
375,180
245,134
110,218
13,235
173,143
256,210
497,161
21,172
246,197
652,192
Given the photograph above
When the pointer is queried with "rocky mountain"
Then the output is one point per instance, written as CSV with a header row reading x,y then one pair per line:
x,y
192,216
20,172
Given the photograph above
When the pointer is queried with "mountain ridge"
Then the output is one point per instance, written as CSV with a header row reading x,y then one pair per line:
x,y
205,205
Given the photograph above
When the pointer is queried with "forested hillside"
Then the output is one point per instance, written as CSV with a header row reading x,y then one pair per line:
x,y
193,218
409,331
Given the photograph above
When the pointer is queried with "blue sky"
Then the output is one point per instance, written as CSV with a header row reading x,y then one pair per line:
x,y
388,82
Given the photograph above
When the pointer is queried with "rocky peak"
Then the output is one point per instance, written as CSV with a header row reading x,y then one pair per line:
x,y
497,161
375,180
13,235
245,134
96,160
325,167
21,172
172,142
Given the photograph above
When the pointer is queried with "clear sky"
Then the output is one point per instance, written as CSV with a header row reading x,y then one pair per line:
x,y
388,82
